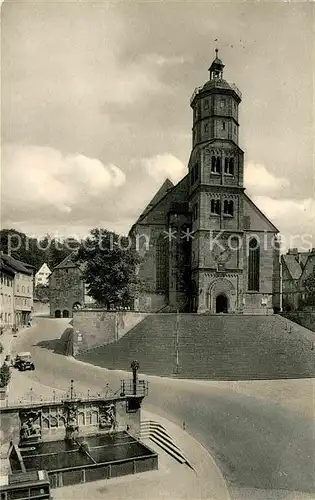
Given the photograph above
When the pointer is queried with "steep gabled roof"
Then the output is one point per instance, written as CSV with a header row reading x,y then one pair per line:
x,y
28,266
260,213
7,269
44,267
16,265
293,266
166,186
150,208
309,264
69,261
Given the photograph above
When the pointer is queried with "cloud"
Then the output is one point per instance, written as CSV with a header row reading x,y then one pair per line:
x,y
258,180
39,177
129,84
294,218
165,165
161,60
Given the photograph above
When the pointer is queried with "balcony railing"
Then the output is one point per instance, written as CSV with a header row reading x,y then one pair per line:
x,y
236,90
195,92
216,83
129,389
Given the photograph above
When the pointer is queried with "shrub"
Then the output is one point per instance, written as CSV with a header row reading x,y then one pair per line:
x,y
1,348
5,375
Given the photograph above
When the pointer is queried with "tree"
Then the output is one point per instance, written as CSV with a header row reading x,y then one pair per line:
x,y
5,375
109,268
309,286
42,292
35,251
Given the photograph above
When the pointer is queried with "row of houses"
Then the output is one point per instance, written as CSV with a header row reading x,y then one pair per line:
x,y
67,290
16,292
296,268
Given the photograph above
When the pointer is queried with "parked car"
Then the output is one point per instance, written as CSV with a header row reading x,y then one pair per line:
x,y
23,361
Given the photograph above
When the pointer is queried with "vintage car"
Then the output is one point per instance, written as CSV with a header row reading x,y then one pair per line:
x,y
23,361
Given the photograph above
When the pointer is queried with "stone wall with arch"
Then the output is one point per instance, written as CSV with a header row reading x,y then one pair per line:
x,y
221,286
212,284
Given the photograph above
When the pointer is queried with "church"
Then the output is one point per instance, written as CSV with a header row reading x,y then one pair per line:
x,y
205,246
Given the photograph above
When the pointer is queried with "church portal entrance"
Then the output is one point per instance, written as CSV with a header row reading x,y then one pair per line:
x,y
221,303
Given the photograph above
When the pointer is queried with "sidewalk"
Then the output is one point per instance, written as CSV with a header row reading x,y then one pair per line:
x,y
208,481
171,481
6,340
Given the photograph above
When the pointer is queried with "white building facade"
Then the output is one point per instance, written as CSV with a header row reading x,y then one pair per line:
x,y
42,276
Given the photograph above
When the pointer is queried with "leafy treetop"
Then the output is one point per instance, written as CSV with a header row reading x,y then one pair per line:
x,y
109,268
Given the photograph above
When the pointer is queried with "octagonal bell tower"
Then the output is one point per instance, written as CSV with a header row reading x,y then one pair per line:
x,y
216,181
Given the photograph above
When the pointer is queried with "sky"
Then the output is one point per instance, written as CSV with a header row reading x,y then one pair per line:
x,y
95,107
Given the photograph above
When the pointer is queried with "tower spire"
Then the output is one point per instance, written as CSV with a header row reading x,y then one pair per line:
x,y
216,68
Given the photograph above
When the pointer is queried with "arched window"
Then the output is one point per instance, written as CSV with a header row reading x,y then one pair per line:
x,y
215,207
218,165
228,207
213,163
253,265
81,418
161,264
229,166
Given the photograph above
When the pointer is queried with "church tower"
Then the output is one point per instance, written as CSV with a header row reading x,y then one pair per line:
x,y
211,248
216,194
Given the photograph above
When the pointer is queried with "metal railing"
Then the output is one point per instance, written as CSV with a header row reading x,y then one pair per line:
x,y
216,83
128,388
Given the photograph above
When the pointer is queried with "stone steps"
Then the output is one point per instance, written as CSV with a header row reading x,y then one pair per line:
x,y
158,434
211,347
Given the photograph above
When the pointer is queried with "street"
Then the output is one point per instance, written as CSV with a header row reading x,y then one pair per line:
x,y
260,442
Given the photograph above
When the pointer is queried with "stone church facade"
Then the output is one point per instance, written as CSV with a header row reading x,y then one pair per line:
x,y
206,247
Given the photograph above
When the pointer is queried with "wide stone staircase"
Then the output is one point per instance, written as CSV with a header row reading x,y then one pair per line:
x,y
222,347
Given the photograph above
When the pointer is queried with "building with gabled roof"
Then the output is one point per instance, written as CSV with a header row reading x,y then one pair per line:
x,y
67,289
42,275
206,247
7,275
296,267
23,289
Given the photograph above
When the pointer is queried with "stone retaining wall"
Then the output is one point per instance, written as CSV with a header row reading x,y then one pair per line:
x,y
95,327
305,318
